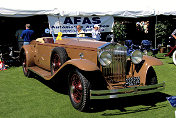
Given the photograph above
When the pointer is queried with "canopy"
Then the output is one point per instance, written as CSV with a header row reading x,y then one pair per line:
x,y
124,8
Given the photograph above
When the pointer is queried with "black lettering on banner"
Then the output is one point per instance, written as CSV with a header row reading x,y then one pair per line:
x,y
77,19
52,27
86,20
68,20
96,20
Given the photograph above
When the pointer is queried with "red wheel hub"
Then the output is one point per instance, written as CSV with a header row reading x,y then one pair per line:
x,y
56,64
24,66
76,88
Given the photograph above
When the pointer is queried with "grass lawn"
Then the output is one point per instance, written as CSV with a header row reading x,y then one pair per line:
x,y
22,97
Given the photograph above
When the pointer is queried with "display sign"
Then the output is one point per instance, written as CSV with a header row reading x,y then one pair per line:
x,y
67,24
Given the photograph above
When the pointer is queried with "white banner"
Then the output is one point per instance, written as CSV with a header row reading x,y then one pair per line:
x,y
67,25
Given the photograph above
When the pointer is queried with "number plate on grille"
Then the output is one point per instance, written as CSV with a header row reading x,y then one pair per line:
x,y
132,81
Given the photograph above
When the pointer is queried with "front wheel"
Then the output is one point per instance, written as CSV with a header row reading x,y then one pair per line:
x,y
79,91
174,57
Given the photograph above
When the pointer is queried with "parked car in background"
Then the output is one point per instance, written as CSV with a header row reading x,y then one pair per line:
x,y
93,69
172,54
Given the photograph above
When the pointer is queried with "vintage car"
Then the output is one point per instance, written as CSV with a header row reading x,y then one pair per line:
x,y
93,69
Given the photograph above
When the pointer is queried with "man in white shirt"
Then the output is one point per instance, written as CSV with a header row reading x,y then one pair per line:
x,y
96,32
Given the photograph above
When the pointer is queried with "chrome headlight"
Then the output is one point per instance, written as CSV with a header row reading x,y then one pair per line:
x,y
105,58
136,56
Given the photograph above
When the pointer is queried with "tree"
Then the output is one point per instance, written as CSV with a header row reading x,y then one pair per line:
x,y
163,30
119,31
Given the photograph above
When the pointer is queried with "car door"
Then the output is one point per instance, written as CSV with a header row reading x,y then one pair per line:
x,y
43,53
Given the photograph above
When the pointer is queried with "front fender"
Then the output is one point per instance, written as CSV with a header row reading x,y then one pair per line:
x,y
148,62
82,64
151,61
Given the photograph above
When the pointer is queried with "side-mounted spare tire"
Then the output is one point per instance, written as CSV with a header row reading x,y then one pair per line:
x,y
174,57
58,58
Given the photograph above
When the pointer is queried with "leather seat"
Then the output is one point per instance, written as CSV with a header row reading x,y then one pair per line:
x,y
48,40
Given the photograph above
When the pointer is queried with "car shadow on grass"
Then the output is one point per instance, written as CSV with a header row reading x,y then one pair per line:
x,y
59,85
149,102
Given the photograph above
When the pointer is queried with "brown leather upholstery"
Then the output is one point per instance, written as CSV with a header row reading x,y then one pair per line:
x,y
48,40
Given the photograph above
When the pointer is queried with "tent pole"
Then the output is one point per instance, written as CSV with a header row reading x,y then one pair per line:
x,y
155,30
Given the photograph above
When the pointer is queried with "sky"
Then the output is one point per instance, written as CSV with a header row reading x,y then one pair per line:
x,y
90,5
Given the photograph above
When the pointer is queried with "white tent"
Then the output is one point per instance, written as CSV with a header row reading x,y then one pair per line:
x,y
124,8
116,8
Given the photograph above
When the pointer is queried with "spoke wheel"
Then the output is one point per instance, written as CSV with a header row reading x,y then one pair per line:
x,y
26,72
76,89
56,63
24,66
58,58
79,91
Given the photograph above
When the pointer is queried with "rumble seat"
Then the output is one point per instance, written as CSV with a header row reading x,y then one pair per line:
x,y
48,39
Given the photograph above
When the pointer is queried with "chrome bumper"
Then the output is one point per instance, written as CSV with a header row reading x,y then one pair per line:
x,y
132,91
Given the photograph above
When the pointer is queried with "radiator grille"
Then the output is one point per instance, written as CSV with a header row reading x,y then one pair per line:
x,y
115,72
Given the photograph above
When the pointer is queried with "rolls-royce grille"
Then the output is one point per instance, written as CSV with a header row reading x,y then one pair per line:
x,y
115,72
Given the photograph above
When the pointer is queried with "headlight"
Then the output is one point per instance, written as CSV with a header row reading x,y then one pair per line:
x,y
136,56
105,58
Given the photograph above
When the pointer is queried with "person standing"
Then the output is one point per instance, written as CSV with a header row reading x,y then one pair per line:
x,y
27,35
20,41
96,32
80,32
174,36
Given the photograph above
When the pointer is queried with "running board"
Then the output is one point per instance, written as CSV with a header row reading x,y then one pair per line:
x,y
41,72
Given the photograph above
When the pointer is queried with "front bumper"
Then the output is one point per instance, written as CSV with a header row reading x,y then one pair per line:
x,y
131,91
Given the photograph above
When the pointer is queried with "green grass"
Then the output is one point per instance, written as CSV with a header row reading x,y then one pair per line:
x,y
22,97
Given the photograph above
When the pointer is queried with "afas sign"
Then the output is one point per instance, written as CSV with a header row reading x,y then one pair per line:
x,y
67,25
84,20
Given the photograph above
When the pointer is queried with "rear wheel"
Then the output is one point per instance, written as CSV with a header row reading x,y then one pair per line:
x,y
174,57
151,78
26,72
79,91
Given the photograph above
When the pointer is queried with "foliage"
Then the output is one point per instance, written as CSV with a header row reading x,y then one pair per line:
x,y
163,30
119,31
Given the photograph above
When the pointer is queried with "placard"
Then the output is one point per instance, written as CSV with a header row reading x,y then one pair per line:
x,y
67,24
172,100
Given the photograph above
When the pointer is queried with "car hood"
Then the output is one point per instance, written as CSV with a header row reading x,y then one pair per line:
x,y
80,42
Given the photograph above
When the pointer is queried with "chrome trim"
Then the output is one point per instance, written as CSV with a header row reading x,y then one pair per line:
x,y
131,91
106,44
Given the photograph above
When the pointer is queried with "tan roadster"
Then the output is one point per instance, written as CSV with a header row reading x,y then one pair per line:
x,y
94,69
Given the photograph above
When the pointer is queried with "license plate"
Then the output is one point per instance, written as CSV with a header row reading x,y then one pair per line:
x,y
132,81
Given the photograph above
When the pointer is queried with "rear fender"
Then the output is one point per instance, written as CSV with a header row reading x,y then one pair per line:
x,y
29,55
141,70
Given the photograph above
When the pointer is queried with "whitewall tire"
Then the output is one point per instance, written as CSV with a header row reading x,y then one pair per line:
x,y
174,57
